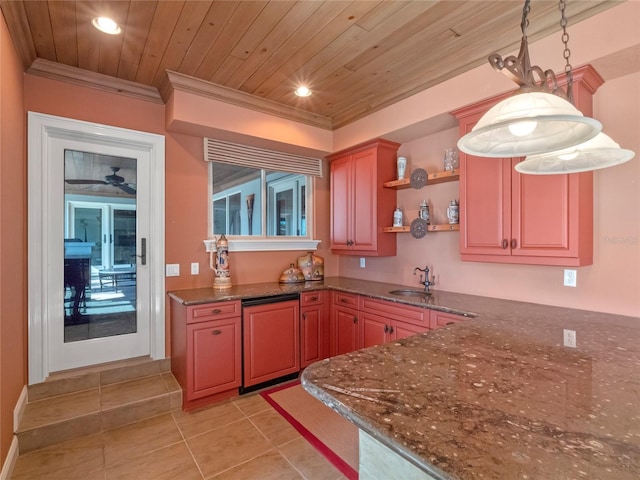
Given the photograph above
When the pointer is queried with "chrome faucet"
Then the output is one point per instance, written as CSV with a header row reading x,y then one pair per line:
x,y
427,283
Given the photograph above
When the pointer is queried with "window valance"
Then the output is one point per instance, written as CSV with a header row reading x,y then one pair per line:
x,y
260,158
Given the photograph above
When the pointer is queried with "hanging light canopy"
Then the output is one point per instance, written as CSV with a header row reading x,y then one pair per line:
x,y
539,118
599,152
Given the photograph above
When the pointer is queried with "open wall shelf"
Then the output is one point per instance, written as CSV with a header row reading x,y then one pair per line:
x,y
432,179
444,227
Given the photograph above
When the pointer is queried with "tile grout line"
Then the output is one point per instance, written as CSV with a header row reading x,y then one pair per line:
x,y
186,444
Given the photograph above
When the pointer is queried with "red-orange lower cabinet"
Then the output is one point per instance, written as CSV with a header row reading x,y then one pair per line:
x,y
377,329
404,329
206,351
344,328
314,327
271,341
215,357
439,319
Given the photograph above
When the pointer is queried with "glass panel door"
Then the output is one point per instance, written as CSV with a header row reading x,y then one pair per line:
x,y
99,246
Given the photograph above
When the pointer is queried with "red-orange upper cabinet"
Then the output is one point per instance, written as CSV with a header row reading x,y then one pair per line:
x,y
360,205
508,217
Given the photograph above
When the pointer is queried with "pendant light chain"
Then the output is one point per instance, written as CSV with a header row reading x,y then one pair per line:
x,y
566,54
524,23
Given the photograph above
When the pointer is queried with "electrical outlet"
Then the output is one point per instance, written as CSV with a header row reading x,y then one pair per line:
x,y
570,278
569,338
362,262
172,269
195,268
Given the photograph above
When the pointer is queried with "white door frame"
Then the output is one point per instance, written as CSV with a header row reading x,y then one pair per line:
x,y
43,130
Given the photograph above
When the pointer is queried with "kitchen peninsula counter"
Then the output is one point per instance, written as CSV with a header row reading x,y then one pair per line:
x,y
498,397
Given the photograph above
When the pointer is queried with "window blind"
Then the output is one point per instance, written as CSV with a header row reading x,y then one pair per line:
x,y
254,157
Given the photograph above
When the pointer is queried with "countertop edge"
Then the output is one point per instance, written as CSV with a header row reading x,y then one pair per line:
x,y
333,403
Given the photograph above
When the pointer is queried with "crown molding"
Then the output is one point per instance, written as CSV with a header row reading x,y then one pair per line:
x,y
99,81
174,81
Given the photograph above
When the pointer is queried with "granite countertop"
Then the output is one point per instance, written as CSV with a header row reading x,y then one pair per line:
x,y
499,397
457,303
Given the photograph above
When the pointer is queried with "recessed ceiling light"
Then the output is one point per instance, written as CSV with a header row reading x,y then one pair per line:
x,y
302,91
106,25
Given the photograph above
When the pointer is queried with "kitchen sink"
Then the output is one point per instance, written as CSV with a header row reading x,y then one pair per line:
x,y
410,293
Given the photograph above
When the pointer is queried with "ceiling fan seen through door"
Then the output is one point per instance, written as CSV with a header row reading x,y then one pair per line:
x,y
114,179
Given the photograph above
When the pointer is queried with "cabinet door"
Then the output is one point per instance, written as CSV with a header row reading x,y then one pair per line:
x,y
547,216
345,331
404,329
214,363
375,329
364,209
485,205
441,319
271,341
341,192
313,334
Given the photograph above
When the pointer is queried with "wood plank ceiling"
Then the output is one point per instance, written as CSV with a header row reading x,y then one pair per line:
x,y
356,56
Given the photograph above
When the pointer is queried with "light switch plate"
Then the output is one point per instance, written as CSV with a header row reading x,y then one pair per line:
x,y
195,268
172,269
362,262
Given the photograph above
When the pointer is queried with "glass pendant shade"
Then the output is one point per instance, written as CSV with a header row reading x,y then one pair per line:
x,y
600,152
527,124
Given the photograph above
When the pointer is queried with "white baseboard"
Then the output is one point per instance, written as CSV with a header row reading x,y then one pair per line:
x,y
10,461
18,411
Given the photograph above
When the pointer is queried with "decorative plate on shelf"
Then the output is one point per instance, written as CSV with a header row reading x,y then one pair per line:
x,y
418,228
418,178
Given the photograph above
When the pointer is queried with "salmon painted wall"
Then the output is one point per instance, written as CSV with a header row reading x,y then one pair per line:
x,y
13,239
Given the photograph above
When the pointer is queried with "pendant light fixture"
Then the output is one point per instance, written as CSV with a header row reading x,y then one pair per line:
x,y
539,118
599,152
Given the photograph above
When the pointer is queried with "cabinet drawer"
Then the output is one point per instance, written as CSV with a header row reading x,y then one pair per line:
x,y
396,311
213,311
440,319
345,299
312,298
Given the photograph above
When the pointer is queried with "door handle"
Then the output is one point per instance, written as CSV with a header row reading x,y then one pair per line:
x,y
514,243
505,243
143,251
216,332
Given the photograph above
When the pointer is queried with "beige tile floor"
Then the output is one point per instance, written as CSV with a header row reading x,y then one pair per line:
x,y
243,438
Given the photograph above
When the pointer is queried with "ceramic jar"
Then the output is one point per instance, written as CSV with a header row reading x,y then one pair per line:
x,y
402,167
397,217
311,266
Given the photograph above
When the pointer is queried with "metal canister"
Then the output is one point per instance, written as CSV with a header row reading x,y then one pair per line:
x,y
423,213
